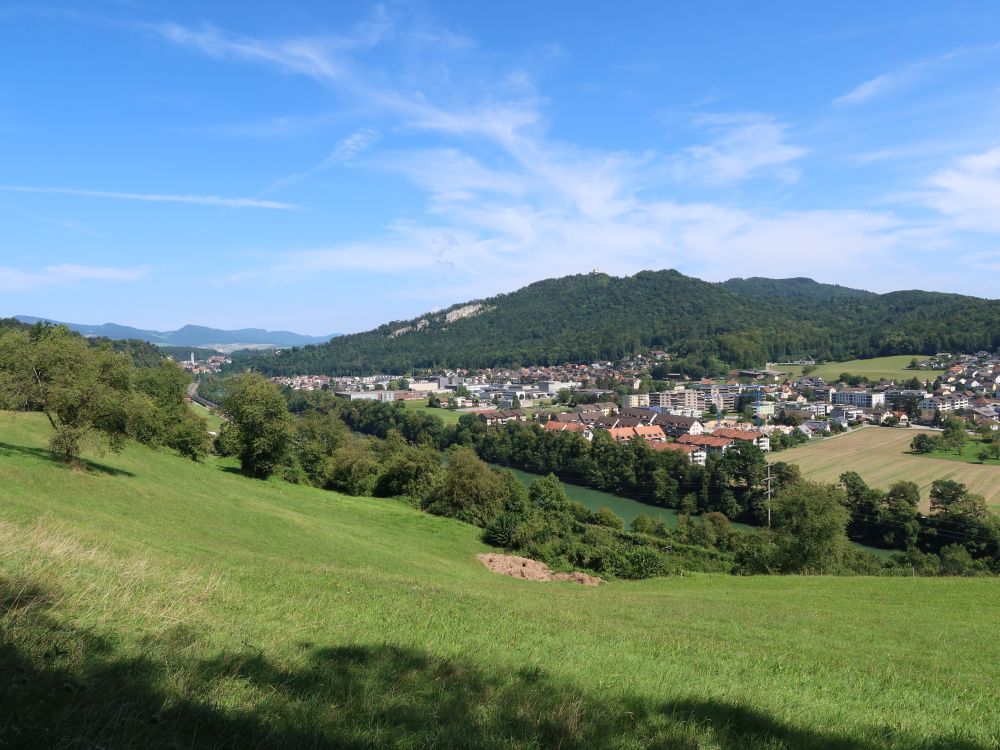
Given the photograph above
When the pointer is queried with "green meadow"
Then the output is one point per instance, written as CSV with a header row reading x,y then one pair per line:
x,y
969,454
448,416
212,420
149,601
890,368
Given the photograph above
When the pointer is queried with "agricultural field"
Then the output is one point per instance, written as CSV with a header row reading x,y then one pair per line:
x,y
890,368
881,456
449,416
150,601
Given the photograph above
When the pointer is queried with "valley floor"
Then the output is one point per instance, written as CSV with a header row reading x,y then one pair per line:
x,y
152,601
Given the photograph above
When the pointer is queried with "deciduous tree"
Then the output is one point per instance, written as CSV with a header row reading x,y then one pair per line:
x,y
263,428
84,391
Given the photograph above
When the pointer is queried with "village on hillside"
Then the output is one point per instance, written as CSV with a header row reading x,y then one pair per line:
x,y
768,407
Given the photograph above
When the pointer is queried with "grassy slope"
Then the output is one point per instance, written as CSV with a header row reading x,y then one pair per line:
x,y
891,368
155,599
212,420
881,456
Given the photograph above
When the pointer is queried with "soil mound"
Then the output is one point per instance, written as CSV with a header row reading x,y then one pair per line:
x,y
531,570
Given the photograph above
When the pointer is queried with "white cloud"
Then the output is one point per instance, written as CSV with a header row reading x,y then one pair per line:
x,y
907,75
745,146
304,56
450,174
327,61
968,192
16,280
344,151
875,87
200,200
508,204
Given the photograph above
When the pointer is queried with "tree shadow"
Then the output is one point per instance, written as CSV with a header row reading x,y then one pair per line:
x,y
61,686
6,449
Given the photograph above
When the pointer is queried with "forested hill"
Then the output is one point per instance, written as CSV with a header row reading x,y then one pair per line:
x,y
595,316
798,287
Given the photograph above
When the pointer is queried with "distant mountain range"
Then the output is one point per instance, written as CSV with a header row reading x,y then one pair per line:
x,y
590,317
192,335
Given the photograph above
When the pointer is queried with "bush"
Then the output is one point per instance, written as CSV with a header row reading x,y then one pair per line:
x,y
607,517
610,560
190,438
756,553
644,562
956,561
502,531
643,524
353,469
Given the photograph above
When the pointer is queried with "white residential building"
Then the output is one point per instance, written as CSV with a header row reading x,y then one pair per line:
x,y
859,397
635,399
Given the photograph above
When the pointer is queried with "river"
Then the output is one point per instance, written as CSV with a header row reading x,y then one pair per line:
x,y
624,507
627,509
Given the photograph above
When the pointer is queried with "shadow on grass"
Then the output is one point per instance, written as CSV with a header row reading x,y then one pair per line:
x,y
63,687
6,449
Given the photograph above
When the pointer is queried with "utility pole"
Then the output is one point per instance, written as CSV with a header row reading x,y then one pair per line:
x,y
768,481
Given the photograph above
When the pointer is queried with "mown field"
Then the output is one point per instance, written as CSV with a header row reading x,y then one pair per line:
x,y
890,368
153,602
449,416
881,456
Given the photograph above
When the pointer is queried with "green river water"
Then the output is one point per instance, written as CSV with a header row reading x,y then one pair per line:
x,y
627,509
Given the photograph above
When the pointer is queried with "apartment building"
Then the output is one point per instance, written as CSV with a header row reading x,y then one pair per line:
x,y
859,397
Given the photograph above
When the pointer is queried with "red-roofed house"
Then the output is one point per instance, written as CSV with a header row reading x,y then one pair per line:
x,y
695,454
709,443
759,439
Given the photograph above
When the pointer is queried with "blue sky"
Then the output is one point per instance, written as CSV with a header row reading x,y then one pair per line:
x,y
328,167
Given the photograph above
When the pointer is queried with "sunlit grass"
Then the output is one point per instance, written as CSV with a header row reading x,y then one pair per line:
x,y
881,455
890,368
151,600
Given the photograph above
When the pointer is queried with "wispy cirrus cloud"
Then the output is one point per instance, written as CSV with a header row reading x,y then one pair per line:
x,y
344,151
908,75
968,192
18,280
328,61
877,86
319,57
200,200
743,146
507,203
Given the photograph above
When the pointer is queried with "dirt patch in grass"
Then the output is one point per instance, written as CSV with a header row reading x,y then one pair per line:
x,y
531,570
